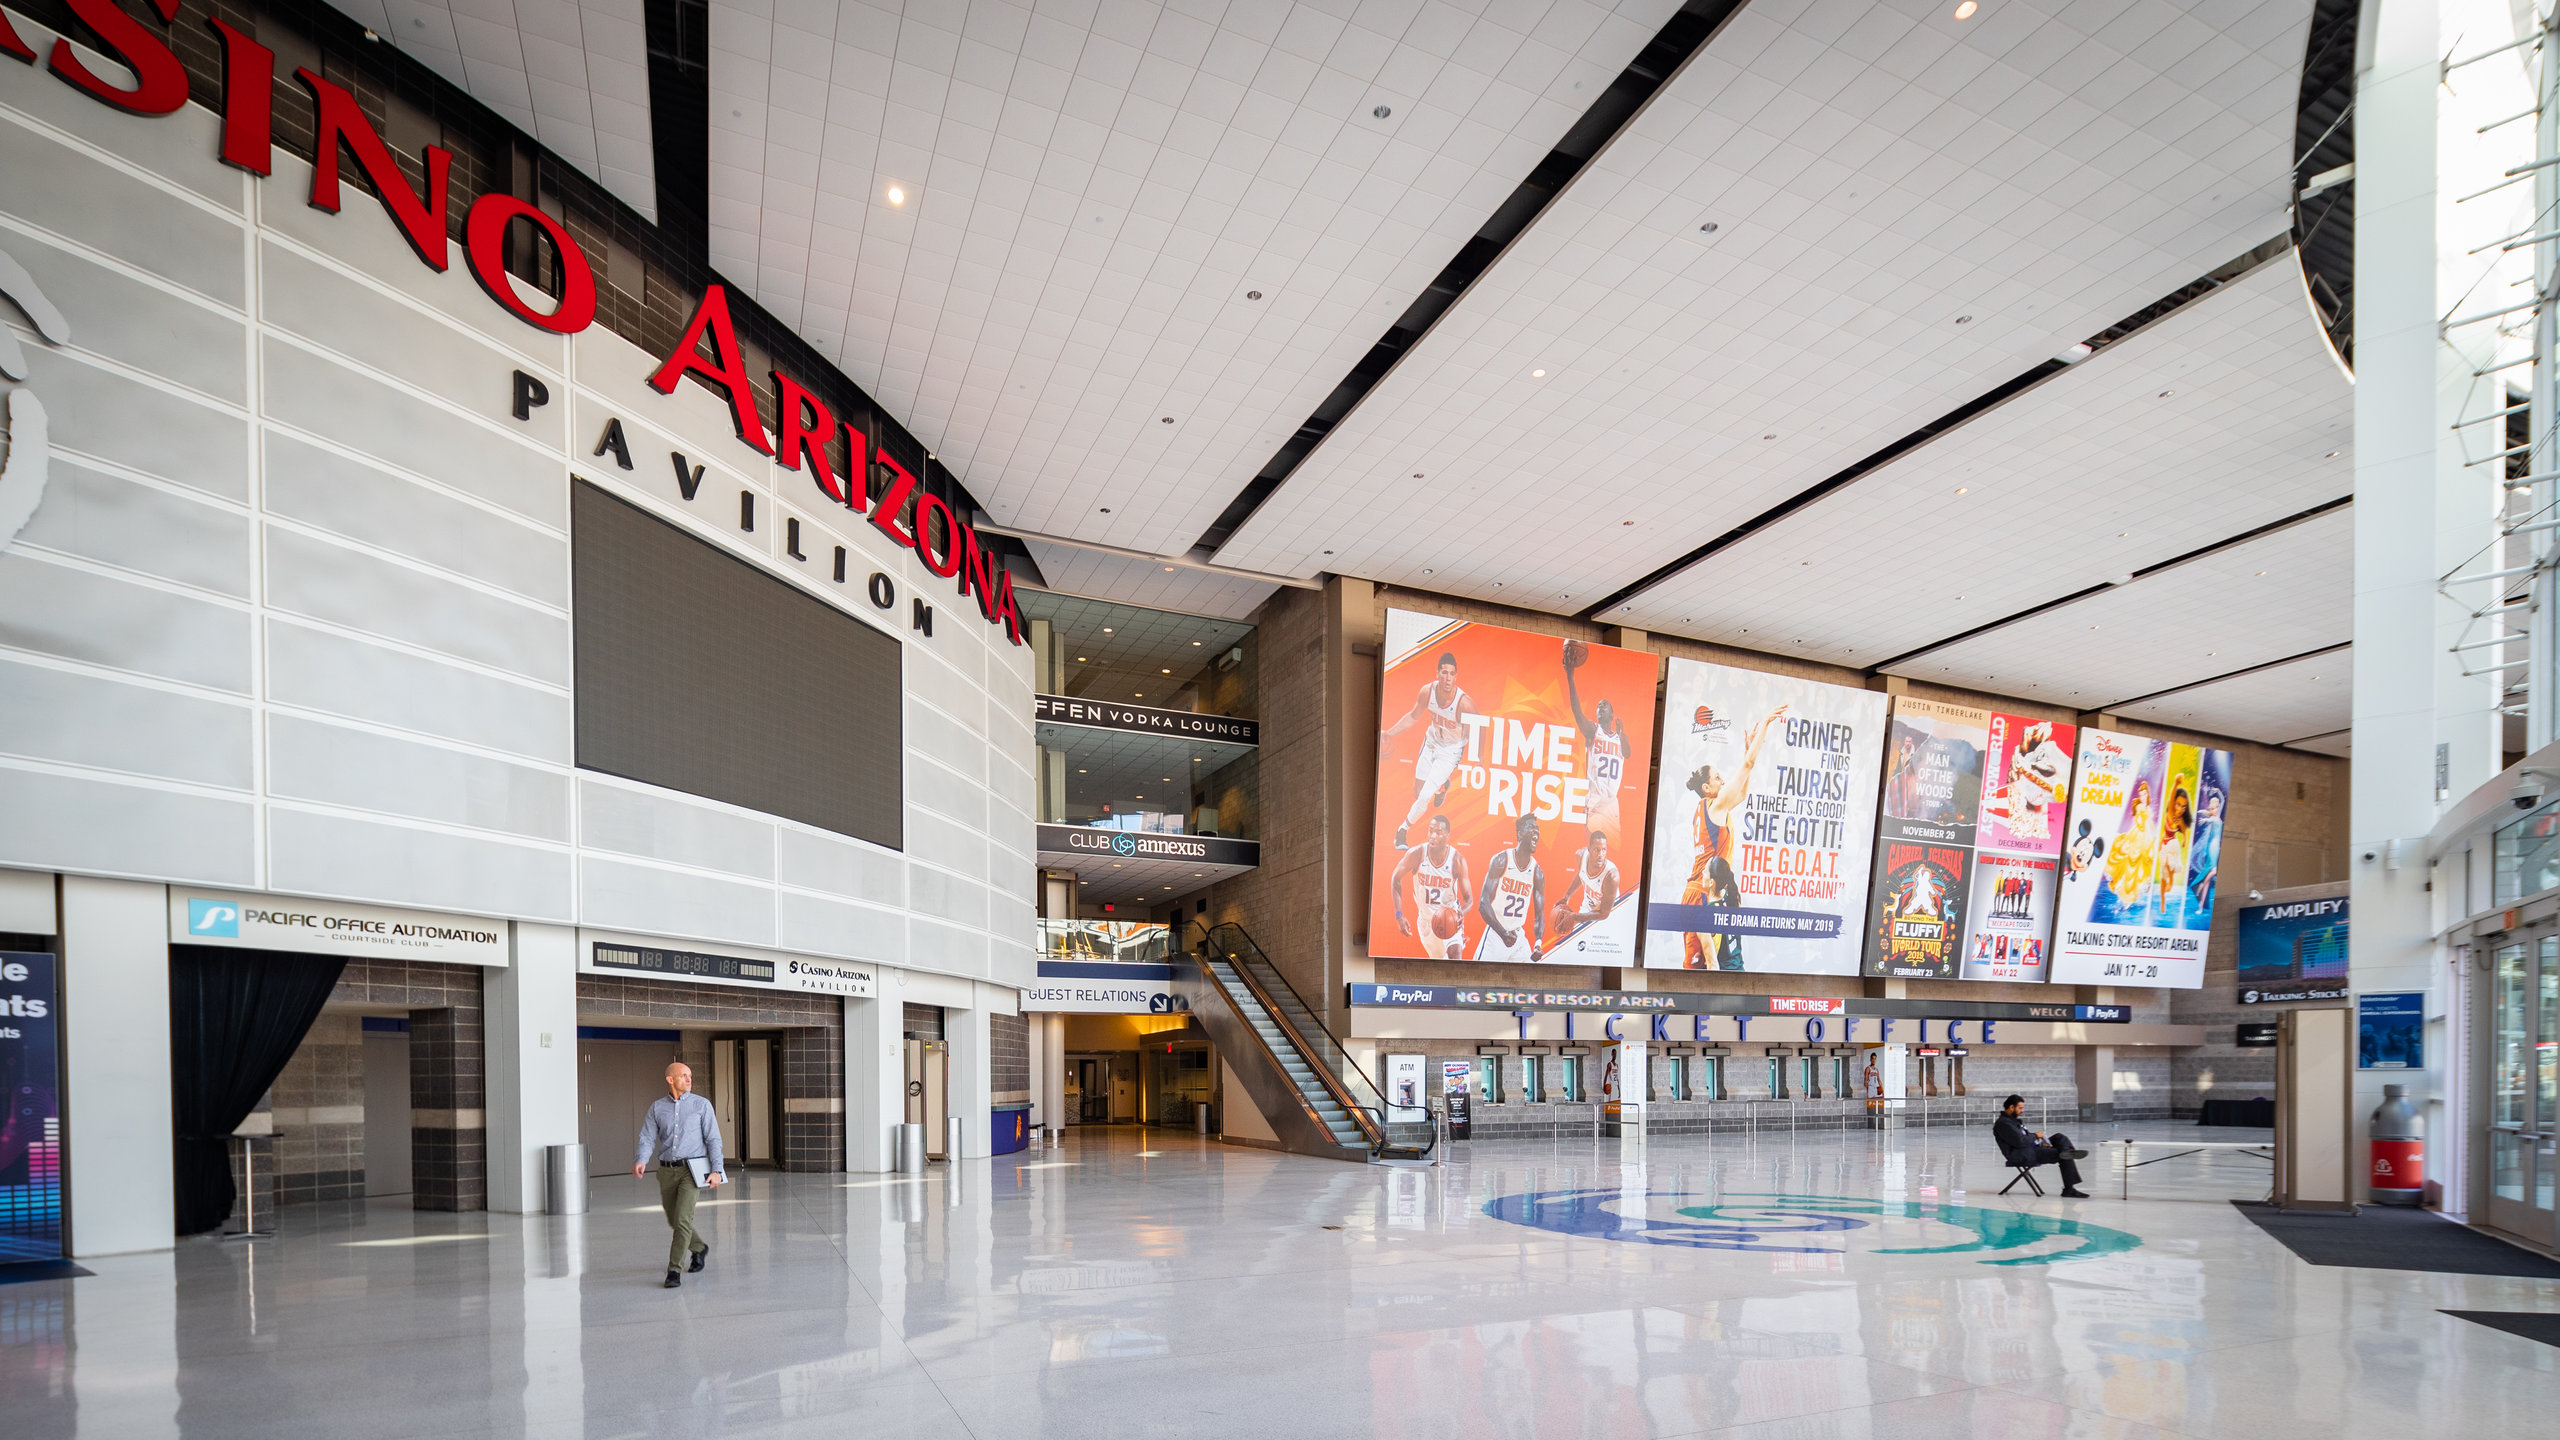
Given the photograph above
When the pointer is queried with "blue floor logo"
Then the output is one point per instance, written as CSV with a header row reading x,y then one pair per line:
x,y
1813,1225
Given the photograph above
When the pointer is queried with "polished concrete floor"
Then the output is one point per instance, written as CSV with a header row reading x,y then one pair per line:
x,y
1135,1284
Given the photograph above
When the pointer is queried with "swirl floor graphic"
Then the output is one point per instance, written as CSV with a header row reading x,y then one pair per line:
x,y
1813,1225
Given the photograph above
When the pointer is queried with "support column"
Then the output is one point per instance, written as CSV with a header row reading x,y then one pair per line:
x,y
448,1106
532,1044
1351,639
2419,511
874,1077
972,1093
119,1126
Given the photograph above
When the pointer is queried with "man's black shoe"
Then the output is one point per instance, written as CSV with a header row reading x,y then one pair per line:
x,y
2076,1154
2070,1194
674,1281
698,1257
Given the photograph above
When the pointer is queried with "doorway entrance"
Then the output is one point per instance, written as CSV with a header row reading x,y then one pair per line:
x,y
929,1093
746,1086
2524,1090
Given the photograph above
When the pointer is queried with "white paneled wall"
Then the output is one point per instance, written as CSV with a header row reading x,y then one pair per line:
x,y
294,614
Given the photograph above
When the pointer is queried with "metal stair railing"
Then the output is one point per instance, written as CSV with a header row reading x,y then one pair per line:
x,y
1254,1019
1350,1088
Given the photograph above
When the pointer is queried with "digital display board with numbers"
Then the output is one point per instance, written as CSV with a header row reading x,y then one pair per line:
x,y
684,962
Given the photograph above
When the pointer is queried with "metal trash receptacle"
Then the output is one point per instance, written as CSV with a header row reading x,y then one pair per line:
x,y
910,1147
1200,1115
564,1179
951,1141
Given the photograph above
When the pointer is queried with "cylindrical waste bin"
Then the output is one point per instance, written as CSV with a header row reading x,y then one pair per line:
x,y
951,1138
910,1149
564,1178
1200,1114
2399,1150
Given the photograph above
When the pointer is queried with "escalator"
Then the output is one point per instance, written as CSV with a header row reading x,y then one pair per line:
x,y
1295,1070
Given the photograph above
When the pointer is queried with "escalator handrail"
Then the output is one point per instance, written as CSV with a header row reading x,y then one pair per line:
x,y
1331,1056
1247,1022
1371,1131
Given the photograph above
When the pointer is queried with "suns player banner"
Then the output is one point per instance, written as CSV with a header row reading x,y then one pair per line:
x,y
2143,846
1511,781
1968,830
1765,822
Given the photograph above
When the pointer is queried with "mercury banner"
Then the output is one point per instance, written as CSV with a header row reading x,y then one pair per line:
x,y
2138,873
1510,766
1771,779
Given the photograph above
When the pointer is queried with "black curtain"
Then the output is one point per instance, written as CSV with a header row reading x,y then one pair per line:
x,y
235,1018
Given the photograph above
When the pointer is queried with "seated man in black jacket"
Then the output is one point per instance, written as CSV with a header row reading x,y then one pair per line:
x,y
2022,1146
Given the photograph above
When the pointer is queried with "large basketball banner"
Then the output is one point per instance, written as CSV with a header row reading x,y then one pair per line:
x,y
2138,871
1511,783
1765,822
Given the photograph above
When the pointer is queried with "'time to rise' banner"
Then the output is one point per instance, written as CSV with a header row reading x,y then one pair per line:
x,y
1511,782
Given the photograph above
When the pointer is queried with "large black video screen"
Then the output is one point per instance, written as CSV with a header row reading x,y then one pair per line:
x,y
699,672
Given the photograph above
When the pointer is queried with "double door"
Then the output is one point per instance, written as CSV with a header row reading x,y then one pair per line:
x,y
2524,1090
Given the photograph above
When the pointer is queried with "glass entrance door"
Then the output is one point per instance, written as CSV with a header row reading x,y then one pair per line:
x,y
2524,1090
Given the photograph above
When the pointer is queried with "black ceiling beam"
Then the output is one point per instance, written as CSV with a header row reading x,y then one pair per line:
x,y
1833,484
2181,689
2172,563
1679,38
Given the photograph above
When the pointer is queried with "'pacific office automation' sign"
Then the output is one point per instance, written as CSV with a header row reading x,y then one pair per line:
x,y
1145,719
332,927
1147,845
836,455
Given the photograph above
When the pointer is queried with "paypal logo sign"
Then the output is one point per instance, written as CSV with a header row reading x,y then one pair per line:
x,y
212,917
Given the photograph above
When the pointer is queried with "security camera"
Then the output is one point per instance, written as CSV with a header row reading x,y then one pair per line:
x,y
2255,897
2527,791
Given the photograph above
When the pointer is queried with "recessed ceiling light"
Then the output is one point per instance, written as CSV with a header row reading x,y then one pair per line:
x,y
2124,534
1253,294
1537,374
1962,489
1195,644
1168,420
1965,9
1169,570
1768,437
2093,627
2315,677
1959,597
1079,772
1964,319
2332,455
1417,474
1497,584
1328,552
1106,509
1115,864
1168,672
2165,394
1383,111
1707,229
897,195
1106,629
1426,569
2262,573
1626,522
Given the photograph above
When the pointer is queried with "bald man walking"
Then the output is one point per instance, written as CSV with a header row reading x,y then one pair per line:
x,y
678,1133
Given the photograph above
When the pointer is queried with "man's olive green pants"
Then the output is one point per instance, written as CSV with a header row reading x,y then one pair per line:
x,y
676,1194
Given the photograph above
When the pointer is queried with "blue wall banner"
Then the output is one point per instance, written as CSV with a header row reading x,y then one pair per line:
x,y
31,1130
2293,950
2391,1029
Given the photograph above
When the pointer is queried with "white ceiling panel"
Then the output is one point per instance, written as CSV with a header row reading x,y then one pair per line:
x,y
2280,595
573,74
2305,699
1911,210
1104,576
2335,742
1091,191
2225,416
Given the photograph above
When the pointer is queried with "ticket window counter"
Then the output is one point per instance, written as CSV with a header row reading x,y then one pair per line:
x,y
1488,1080
1809,1066
1694,1077
1779,1061
1533,1079
1955,1071
1841,1087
